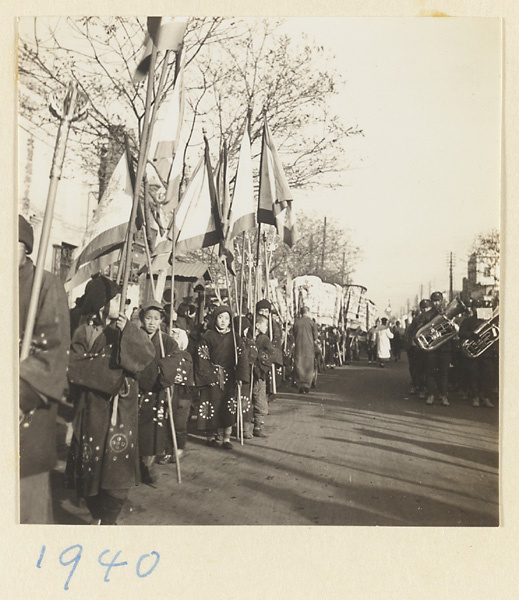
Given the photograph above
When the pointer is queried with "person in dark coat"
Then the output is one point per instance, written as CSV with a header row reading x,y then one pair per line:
x,y
217,372
415,355
262,368
106,354
43,381
305,335
167,369
438,360
478,369
275,334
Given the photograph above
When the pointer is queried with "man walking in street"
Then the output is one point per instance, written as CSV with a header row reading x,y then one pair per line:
x,y
305,334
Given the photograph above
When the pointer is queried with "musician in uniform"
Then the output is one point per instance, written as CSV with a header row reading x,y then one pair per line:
x,y
43,381
478,370
415,355
438,360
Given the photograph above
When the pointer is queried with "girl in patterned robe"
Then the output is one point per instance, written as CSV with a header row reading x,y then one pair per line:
x,y
216,373
174,370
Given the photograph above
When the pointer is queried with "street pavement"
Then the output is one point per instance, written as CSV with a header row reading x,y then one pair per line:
x,y
359,450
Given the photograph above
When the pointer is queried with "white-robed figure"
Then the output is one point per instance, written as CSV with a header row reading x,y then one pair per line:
x,y
384,335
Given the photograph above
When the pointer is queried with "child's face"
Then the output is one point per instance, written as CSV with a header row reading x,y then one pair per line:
x,y
262,326
151,321
223,320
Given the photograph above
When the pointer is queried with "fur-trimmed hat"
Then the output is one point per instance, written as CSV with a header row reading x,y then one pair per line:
x,y
98,293
222,308
436,296
263,304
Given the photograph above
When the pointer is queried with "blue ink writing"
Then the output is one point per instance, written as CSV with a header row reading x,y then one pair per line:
x,y
139,574
38,564
75,560
111,564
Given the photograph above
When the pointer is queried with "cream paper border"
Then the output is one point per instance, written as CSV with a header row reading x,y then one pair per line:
x,y
268,562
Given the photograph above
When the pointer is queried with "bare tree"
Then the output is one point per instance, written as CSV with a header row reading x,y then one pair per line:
x,y
232,66
486,248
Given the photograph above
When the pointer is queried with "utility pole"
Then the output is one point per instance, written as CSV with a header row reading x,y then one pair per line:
x,y
451,265
421,291
324,248
343,266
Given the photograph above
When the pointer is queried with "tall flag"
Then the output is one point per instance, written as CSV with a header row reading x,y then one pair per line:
x,y
166,33
168,126
104,237
226,253
197,223
275,198
222,189
198,217
243,208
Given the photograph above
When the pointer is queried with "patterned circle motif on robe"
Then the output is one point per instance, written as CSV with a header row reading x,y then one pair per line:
x,y
232,405
203,352
118,442
245,404
206,410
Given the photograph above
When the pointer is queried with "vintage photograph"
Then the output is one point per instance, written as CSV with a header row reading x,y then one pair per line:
x,y
259,270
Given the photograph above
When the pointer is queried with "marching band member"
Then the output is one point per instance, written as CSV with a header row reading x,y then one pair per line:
x,y
437,361
415,355
478,370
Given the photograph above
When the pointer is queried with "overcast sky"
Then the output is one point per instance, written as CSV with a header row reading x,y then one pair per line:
x,y
427,94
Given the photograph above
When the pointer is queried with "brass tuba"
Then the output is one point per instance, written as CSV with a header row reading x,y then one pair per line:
x,y
483,337
441,328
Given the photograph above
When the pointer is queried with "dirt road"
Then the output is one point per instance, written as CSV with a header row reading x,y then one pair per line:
x,y
358,451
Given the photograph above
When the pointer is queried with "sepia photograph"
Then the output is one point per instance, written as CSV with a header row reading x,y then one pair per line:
x,y
259,270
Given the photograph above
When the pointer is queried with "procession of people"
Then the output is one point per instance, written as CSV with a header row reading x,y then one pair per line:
x,y
136,383
138,390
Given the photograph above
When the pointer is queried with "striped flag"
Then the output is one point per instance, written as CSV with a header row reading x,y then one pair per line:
x,y
166,33
197,223
243,208
275,198
167,130
105,234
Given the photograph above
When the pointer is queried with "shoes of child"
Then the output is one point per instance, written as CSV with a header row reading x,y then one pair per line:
x,y
227,446
259,433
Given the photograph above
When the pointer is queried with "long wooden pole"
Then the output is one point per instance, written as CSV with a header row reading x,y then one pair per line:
x,y
267,278
169,397
239,413
141,164
242,276
69,114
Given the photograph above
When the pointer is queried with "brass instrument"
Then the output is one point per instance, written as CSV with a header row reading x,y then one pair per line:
x,y
483,337
441,328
